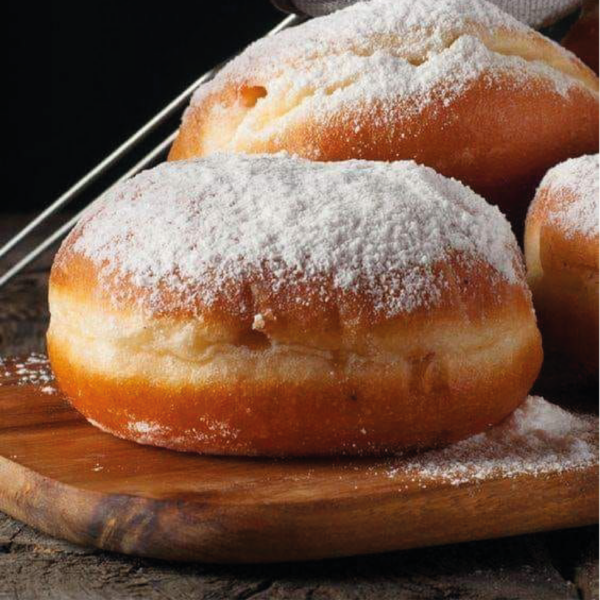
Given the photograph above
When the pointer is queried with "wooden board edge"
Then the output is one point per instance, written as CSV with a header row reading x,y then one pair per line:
x,y
187,530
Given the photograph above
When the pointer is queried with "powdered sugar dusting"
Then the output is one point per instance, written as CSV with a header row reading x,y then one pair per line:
x,y
153,433
420,27
383,51
33,369
145,428
196,226
577,181
537,439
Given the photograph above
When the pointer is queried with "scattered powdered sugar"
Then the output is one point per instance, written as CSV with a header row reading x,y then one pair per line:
x,y
382,50
33,369
195,226
538,438
578,179
146,432
143,431
258,322
144,427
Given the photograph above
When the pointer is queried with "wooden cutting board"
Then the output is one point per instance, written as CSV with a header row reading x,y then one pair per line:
x,y
66,478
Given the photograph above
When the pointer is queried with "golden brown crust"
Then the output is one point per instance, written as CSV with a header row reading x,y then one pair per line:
x,y
499,144
379,410
471,294
314,381
557,249
389,254
275,363
499,135
563,277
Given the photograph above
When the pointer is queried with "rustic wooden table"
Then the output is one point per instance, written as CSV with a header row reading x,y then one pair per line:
x,y
547,566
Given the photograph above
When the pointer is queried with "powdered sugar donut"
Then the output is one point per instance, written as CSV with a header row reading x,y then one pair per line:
x,y
270,305
561,247
457,85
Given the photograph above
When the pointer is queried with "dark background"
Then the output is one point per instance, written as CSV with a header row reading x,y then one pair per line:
x,y
85,75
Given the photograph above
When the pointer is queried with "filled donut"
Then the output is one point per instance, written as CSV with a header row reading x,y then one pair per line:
x,y
457,85
270,305
561,248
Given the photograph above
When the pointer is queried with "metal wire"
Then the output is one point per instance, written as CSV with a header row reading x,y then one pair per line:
x,y
66,227
175,105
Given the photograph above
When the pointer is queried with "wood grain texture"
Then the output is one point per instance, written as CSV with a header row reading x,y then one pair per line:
x,y
512,568
557,565
67,478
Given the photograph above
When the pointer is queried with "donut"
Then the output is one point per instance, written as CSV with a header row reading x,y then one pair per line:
x,y
561,249
582,38
457,85
269,305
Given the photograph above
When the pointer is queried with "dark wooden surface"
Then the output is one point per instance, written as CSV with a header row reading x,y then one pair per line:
x,y
558,565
